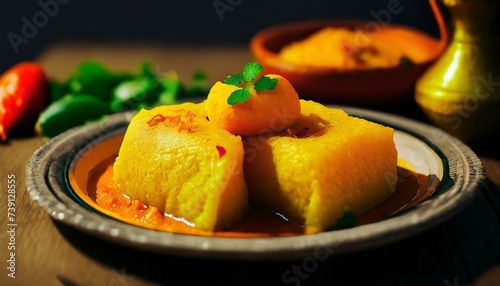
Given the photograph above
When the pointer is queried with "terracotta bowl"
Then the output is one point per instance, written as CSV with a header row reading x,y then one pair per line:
x,y
362,87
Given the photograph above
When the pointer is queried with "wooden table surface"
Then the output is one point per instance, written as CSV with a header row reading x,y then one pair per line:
x,y
465,250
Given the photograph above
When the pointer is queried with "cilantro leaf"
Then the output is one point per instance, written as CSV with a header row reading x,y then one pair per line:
x,y
234,79
246,83
265,83
251,71
241,95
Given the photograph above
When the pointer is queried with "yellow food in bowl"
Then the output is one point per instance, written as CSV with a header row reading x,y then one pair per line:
x,y
328,164
173,159
343,48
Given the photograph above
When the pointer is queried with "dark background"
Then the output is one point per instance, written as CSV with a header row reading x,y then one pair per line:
x,y
180,21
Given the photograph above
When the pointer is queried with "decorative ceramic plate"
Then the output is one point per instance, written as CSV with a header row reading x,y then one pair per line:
x,y
57,180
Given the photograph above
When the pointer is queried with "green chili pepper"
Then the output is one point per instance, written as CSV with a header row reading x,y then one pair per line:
x,y
131,94
143,90
93,91
57,90
70,111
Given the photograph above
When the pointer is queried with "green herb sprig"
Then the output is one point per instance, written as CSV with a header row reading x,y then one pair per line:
x,y
246,81
347,220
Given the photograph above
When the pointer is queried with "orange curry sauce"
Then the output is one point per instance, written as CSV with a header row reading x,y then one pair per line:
x,y
411,189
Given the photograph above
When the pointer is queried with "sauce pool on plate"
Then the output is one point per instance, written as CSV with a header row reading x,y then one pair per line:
x,y
412,188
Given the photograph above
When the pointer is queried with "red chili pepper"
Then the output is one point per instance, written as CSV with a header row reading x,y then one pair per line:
x,y
221,150
156,119
23,95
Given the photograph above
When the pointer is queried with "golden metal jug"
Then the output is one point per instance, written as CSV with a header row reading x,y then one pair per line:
x,y
460,92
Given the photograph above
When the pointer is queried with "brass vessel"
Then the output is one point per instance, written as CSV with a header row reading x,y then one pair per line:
x,y
460,92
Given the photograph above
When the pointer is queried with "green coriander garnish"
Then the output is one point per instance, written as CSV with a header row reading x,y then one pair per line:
x,y
246,81
251,71
347,220
234,79
265,83
240,95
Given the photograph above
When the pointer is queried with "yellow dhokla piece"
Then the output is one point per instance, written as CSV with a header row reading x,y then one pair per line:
x,y
173,159
327,164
